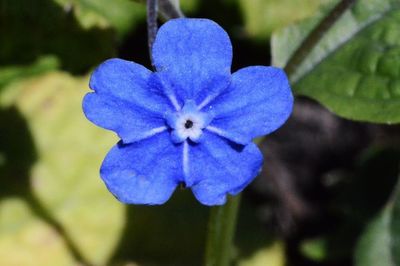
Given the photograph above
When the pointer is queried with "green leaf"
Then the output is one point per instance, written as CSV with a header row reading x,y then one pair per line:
x,y
123,15
271,255
354,69
374,247
358,197
188,5
261,17
395,229
315,249
65,175
185,5
13,73
27,240
379,244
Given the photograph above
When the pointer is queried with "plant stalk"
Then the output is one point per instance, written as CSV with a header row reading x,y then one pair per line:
x,y
316,35
152,26
221,231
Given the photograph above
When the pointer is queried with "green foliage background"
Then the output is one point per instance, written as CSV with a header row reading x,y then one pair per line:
x,y
54,209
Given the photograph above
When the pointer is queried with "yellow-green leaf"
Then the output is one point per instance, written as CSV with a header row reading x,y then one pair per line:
x,y
123,15
261,17
27,240
65,175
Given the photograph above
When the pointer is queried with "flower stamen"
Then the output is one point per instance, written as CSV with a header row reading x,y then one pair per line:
x,y
188,124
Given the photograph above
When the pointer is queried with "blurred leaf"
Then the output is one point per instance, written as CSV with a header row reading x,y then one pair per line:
x,y
123,15
380,243
188,5
65,178
171,234
395,228
282,49
261,17
356,198
374,247
354,69
26,240
315,249
32,29
184,5
256,243
271,255
13,73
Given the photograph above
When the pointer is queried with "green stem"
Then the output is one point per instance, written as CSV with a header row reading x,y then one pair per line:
x,y
221,231
316,35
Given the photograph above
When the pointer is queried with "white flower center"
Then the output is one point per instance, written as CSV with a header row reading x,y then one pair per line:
x,y
189,126
187,123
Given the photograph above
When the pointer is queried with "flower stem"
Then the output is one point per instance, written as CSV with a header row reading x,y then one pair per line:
x,y
316,35
152,27
221,231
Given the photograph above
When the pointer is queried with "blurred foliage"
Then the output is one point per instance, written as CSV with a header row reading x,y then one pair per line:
x,y
27,240
121,15
374,247
354,206
315,249
262,17
52,31
173,233
9,74
272,255
380,243
363,49
54,209
63,178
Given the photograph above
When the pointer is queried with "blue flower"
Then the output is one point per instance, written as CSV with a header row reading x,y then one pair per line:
x,y
190,122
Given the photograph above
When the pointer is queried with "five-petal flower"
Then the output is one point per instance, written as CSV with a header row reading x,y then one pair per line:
x,y
190,122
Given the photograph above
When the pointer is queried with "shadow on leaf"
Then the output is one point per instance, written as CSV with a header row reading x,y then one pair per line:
x,y
17,156
30,29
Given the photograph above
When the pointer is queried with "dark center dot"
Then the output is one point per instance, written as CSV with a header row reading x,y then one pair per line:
x,y
188,124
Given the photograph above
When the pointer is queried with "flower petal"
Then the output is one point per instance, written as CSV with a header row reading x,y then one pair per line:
x,y
217,166
144,172
125,100
257,102
130,122
193,58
